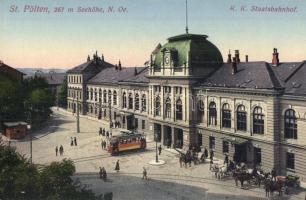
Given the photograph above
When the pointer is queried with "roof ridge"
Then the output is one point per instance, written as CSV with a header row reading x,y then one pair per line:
x,y
274,79
294,72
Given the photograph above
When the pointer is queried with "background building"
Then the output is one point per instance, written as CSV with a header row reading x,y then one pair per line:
x,y
188,96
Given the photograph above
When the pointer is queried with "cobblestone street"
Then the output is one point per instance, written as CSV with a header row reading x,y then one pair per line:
x,y
168,181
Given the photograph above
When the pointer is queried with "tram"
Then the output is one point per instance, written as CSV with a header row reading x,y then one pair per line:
x,y
126,141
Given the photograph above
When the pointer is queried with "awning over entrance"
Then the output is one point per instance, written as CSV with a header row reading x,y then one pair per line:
x,y
235,140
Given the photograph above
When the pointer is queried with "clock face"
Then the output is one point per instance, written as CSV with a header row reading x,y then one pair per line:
x,y
167,60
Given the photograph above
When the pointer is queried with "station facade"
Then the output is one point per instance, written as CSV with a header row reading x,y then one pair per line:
x,y
187,95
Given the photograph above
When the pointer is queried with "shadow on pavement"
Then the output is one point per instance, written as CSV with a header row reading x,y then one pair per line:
x,y
134,187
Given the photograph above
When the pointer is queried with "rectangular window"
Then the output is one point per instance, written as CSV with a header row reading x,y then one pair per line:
x,y
290,160
225,146
115,115
212,142
143,124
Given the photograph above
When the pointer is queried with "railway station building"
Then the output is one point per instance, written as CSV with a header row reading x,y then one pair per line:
x,y
187,95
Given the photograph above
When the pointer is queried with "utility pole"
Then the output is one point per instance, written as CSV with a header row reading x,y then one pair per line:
x,y
110,116
78,116
31,148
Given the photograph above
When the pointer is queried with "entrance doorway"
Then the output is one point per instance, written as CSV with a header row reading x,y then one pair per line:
x,y
157,131
240,153
179,138
130,122
257,156
167,136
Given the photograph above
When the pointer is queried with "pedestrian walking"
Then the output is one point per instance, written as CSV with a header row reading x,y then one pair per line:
x,y
103,132
107,134
102,143
100,173
206,153
117,167
75,141
100,131
159,149
71,141
226,160
56,150
144,173
61,150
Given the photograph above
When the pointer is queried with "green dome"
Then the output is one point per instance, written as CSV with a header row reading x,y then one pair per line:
x,y
192,49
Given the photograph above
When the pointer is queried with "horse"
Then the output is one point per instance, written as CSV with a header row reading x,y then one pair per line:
x,y
222,171
272,186
242,176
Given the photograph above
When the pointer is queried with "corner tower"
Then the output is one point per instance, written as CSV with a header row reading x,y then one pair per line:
x,y
186,55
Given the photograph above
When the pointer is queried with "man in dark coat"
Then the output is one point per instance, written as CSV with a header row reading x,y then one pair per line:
x,y
159,149
56,150
206,153
117,167
75,142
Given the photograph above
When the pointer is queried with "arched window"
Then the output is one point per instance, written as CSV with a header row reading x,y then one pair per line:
x,y
241,118
115,98
130,101
290,124
157,106
226,116
212,114
96,97
143,103
100,95
91,93
168,108
124,100
137,101
258,121
200,111
109,96
179,110
104,96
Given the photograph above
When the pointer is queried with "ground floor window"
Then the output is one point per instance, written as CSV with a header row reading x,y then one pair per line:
x,y
212,142
143,124
257,156
290,160
225,147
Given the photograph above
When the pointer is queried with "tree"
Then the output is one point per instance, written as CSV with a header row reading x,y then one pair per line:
x,y
11,100
19,179
62,95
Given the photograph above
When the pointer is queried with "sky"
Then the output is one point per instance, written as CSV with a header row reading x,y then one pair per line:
x,y
63,40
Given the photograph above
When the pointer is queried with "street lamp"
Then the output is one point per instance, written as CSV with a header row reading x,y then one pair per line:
x,y
156,156
78,116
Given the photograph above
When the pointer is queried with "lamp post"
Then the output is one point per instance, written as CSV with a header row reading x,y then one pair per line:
x,y
31,144
156,154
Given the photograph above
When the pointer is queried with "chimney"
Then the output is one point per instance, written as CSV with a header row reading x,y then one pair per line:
x,y
246,58
135,72
229,57
119,65
116,67
102,57
88,58
237,56
234,66
275,59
